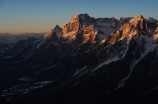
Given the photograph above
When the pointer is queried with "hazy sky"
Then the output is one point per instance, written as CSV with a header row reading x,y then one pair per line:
x,y
21,16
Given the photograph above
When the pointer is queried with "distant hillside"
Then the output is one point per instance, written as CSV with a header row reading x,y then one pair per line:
x,y
10,38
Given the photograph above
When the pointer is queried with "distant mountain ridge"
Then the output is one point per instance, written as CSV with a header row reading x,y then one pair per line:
x,y
10,38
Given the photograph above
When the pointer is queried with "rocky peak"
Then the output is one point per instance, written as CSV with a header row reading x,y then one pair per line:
x,y
122,21
139,16
136,19
75,18
83,16
71,29
138,22
85,19
57,29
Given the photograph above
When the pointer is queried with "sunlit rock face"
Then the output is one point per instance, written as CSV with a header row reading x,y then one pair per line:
x,y
71,29
137,20
89,34
86,27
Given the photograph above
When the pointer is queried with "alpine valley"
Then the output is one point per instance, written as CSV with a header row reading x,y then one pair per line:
x,y
89,61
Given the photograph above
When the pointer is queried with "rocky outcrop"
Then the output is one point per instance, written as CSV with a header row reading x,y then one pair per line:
x,y
71,29
54,32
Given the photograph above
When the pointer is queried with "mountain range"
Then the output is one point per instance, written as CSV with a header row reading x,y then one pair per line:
x,y
90,60
14,38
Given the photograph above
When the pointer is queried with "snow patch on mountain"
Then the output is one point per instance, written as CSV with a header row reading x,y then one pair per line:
x,y
24,79
106,62
78,71
8,57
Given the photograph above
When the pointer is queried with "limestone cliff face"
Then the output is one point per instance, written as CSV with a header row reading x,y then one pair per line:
x,y
89,34
71,29
137,20
142,24
84,29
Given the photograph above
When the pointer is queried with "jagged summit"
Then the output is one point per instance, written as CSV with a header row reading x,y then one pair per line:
x,y
91,27
125,18
57,26
75,18
57,29
137,18
122,18
84,16
79,17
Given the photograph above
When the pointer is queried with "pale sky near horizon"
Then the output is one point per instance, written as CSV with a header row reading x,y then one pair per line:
x,y
36,16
